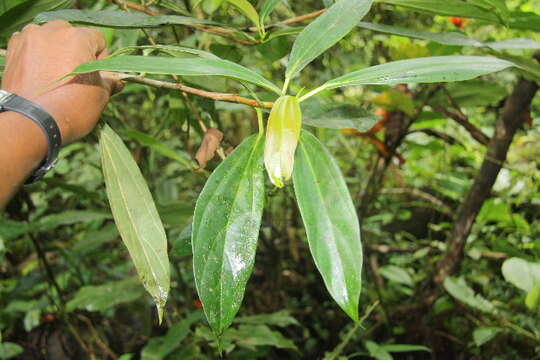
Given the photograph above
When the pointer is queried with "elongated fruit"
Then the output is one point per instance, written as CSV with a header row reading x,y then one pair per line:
x,y
282,137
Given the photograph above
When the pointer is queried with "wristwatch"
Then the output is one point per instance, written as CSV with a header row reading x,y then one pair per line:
x,y
12,102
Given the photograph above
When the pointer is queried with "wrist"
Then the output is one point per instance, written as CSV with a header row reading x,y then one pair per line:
x,y
58,114
29,109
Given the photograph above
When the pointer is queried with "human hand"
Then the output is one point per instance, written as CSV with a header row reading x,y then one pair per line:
x,y
39,55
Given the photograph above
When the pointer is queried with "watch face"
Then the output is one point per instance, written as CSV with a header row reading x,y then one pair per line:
x,y
4,95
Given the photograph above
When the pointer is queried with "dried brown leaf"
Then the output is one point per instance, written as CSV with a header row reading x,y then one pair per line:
x,y
210,144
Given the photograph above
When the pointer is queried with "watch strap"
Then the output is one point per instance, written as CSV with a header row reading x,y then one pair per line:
x,y
12,102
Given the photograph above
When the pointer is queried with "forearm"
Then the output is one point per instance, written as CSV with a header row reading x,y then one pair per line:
x,y
75,103
23,148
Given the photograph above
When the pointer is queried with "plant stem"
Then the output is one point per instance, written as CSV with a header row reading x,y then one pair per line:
x,y
228,97
260,121
286,85
296,19
312,93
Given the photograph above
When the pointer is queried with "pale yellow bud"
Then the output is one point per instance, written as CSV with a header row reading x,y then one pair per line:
x,y
282,137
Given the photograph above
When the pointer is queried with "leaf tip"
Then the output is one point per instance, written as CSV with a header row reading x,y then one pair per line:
x,y
160,314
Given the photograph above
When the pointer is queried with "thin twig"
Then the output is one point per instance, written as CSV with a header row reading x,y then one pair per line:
x,y
48,270
290,21
437,134
225,33
193,108
198,92
303,17
104,347
216,96
437,203
134,6
61,303
463,120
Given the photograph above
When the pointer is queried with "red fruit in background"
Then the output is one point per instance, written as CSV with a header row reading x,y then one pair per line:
x,y
197,304
458,22
527,119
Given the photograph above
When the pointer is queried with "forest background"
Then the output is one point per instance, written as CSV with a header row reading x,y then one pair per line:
x,y
443,174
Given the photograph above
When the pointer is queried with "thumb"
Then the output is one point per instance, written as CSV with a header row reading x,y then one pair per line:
x,y
112,82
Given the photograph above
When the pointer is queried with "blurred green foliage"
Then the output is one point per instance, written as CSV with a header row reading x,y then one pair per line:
x,y
66,287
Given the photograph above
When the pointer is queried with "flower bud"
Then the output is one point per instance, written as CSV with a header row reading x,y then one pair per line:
x,y
282,138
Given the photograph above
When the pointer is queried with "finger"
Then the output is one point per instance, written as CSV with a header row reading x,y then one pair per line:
x,y
56,24
103,54
30,27
13,39
112,82
12,45
97,40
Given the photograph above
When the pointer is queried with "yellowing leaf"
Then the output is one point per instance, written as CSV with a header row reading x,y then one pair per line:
x,y
247,9
136,216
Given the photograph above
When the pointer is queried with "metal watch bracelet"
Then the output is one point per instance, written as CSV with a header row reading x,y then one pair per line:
x,y
12,102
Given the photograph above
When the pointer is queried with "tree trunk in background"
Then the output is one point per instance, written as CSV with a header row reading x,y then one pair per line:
x,y
507,125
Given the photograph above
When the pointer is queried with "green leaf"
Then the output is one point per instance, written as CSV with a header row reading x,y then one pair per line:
x,y
225,231
175,213
533,297
496,211
103,297
182,67
422,70
175,51
174,6
117,19
284,32
446,8
93,240
331,222
158,348
471,93
525,20
494,6
325,31
378,352
9,350
247,9
396,274
251,336
266,9
20,15
182,244
10,229
315,113
69,217
461,291
515,44
281,318
528,67
395,100
450,38
158,147
404,348
9,4
136,216
482,335
522,273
